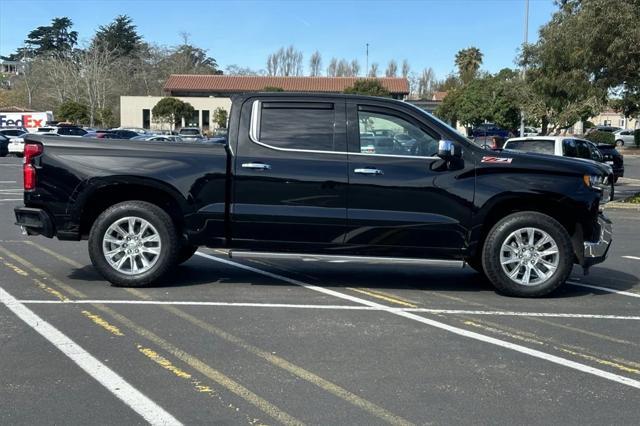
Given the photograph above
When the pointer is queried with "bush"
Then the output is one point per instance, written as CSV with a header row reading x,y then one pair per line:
x,y
636,137
599,137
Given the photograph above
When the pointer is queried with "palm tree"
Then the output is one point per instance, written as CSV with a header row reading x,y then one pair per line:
x,y
468,62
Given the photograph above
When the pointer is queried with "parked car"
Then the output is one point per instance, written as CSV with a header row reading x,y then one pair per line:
x,y
531,131
117,134
158,138
608,129
62,130
623,137
190,134
490,129
293,178
4,145
562,146
13,131
16,144
613,158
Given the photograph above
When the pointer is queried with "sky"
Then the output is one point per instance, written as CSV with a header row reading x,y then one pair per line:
x,y
427,33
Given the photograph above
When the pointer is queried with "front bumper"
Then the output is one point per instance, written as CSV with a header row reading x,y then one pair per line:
x,y
596,251
35,221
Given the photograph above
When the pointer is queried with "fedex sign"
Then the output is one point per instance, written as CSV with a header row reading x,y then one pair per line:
x,y
29,120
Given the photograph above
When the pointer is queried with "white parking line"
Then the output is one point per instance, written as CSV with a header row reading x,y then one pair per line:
x,y
12,190
8,181
328,307
607,289
632,257
115,384
455,330
10,199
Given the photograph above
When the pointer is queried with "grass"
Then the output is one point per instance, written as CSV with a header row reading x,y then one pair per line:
x,y
634,199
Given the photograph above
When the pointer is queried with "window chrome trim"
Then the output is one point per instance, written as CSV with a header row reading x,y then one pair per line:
x,y
254,127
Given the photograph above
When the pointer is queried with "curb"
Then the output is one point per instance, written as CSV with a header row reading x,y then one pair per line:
x,y
621,206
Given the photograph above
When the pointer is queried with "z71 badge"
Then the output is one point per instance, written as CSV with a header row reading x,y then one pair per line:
x,y
497,160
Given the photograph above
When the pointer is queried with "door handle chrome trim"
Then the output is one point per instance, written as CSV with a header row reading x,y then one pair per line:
x,y
256,166
368,171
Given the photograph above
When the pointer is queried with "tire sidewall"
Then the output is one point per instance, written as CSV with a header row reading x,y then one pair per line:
x,y
156,217
497,236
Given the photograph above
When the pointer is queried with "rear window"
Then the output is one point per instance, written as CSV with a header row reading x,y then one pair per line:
x,y
13,132
190,132
46,129
540,146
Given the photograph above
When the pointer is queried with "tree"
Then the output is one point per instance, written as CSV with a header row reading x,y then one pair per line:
x,y
373,71
405,69
355,68
74,112
56,37
392,69
120,36
332,69
189,59
170,110
220,116
343,69
426,84
589,41
272,89
468,62
369,87
285,62
238,70
315,64
493,98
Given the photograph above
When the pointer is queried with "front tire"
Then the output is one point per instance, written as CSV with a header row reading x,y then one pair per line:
x,y
133,243
527,254
619,142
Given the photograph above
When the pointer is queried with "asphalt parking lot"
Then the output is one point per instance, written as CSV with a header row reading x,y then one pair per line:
x,y
311,341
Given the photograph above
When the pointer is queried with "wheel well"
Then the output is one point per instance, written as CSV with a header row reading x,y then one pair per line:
x,y
105,197
562,213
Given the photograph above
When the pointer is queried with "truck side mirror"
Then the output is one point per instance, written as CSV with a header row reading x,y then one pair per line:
x,y
448,150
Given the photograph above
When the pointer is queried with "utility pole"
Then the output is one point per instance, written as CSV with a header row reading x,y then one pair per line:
x,y
524,65
366,69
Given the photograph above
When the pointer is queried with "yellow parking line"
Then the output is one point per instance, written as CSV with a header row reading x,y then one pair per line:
x,y
188,359
275,360
54,254
14,268
50,290
575,351
282,363
163,362
383,296
103,323
602,361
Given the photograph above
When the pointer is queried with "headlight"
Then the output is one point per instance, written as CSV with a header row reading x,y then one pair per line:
x,y
600,183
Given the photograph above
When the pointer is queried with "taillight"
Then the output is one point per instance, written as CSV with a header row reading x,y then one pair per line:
x,y
31,151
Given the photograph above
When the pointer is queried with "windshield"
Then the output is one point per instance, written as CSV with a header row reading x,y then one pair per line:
x,y
540,146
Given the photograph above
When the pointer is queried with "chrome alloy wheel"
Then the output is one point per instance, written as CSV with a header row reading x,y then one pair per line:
x,y
131,245
529,256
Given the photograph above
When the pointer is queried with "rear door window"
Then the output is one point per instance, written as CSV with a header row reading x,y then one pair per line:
x,y
539,146
298,125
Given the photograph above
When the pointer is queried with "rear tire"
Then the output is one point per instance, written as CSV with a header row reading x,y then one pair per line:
x,y
619,142
185,253
133,243
527,254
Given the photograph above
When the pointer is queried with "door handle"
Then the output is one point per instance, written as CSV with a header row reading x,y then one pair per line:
x,y
368,171
256,166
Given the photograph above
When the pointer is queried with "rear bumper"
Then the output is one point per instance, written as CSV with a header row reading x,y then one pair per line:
x,y
35,221
596,251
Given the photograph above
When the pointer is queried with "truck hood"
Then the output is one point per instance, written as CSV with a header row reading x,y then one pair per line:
x,y
554,163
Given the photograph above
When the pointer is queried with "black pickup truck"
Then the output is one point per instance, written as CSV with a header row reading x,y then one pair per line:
x,y
335,175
